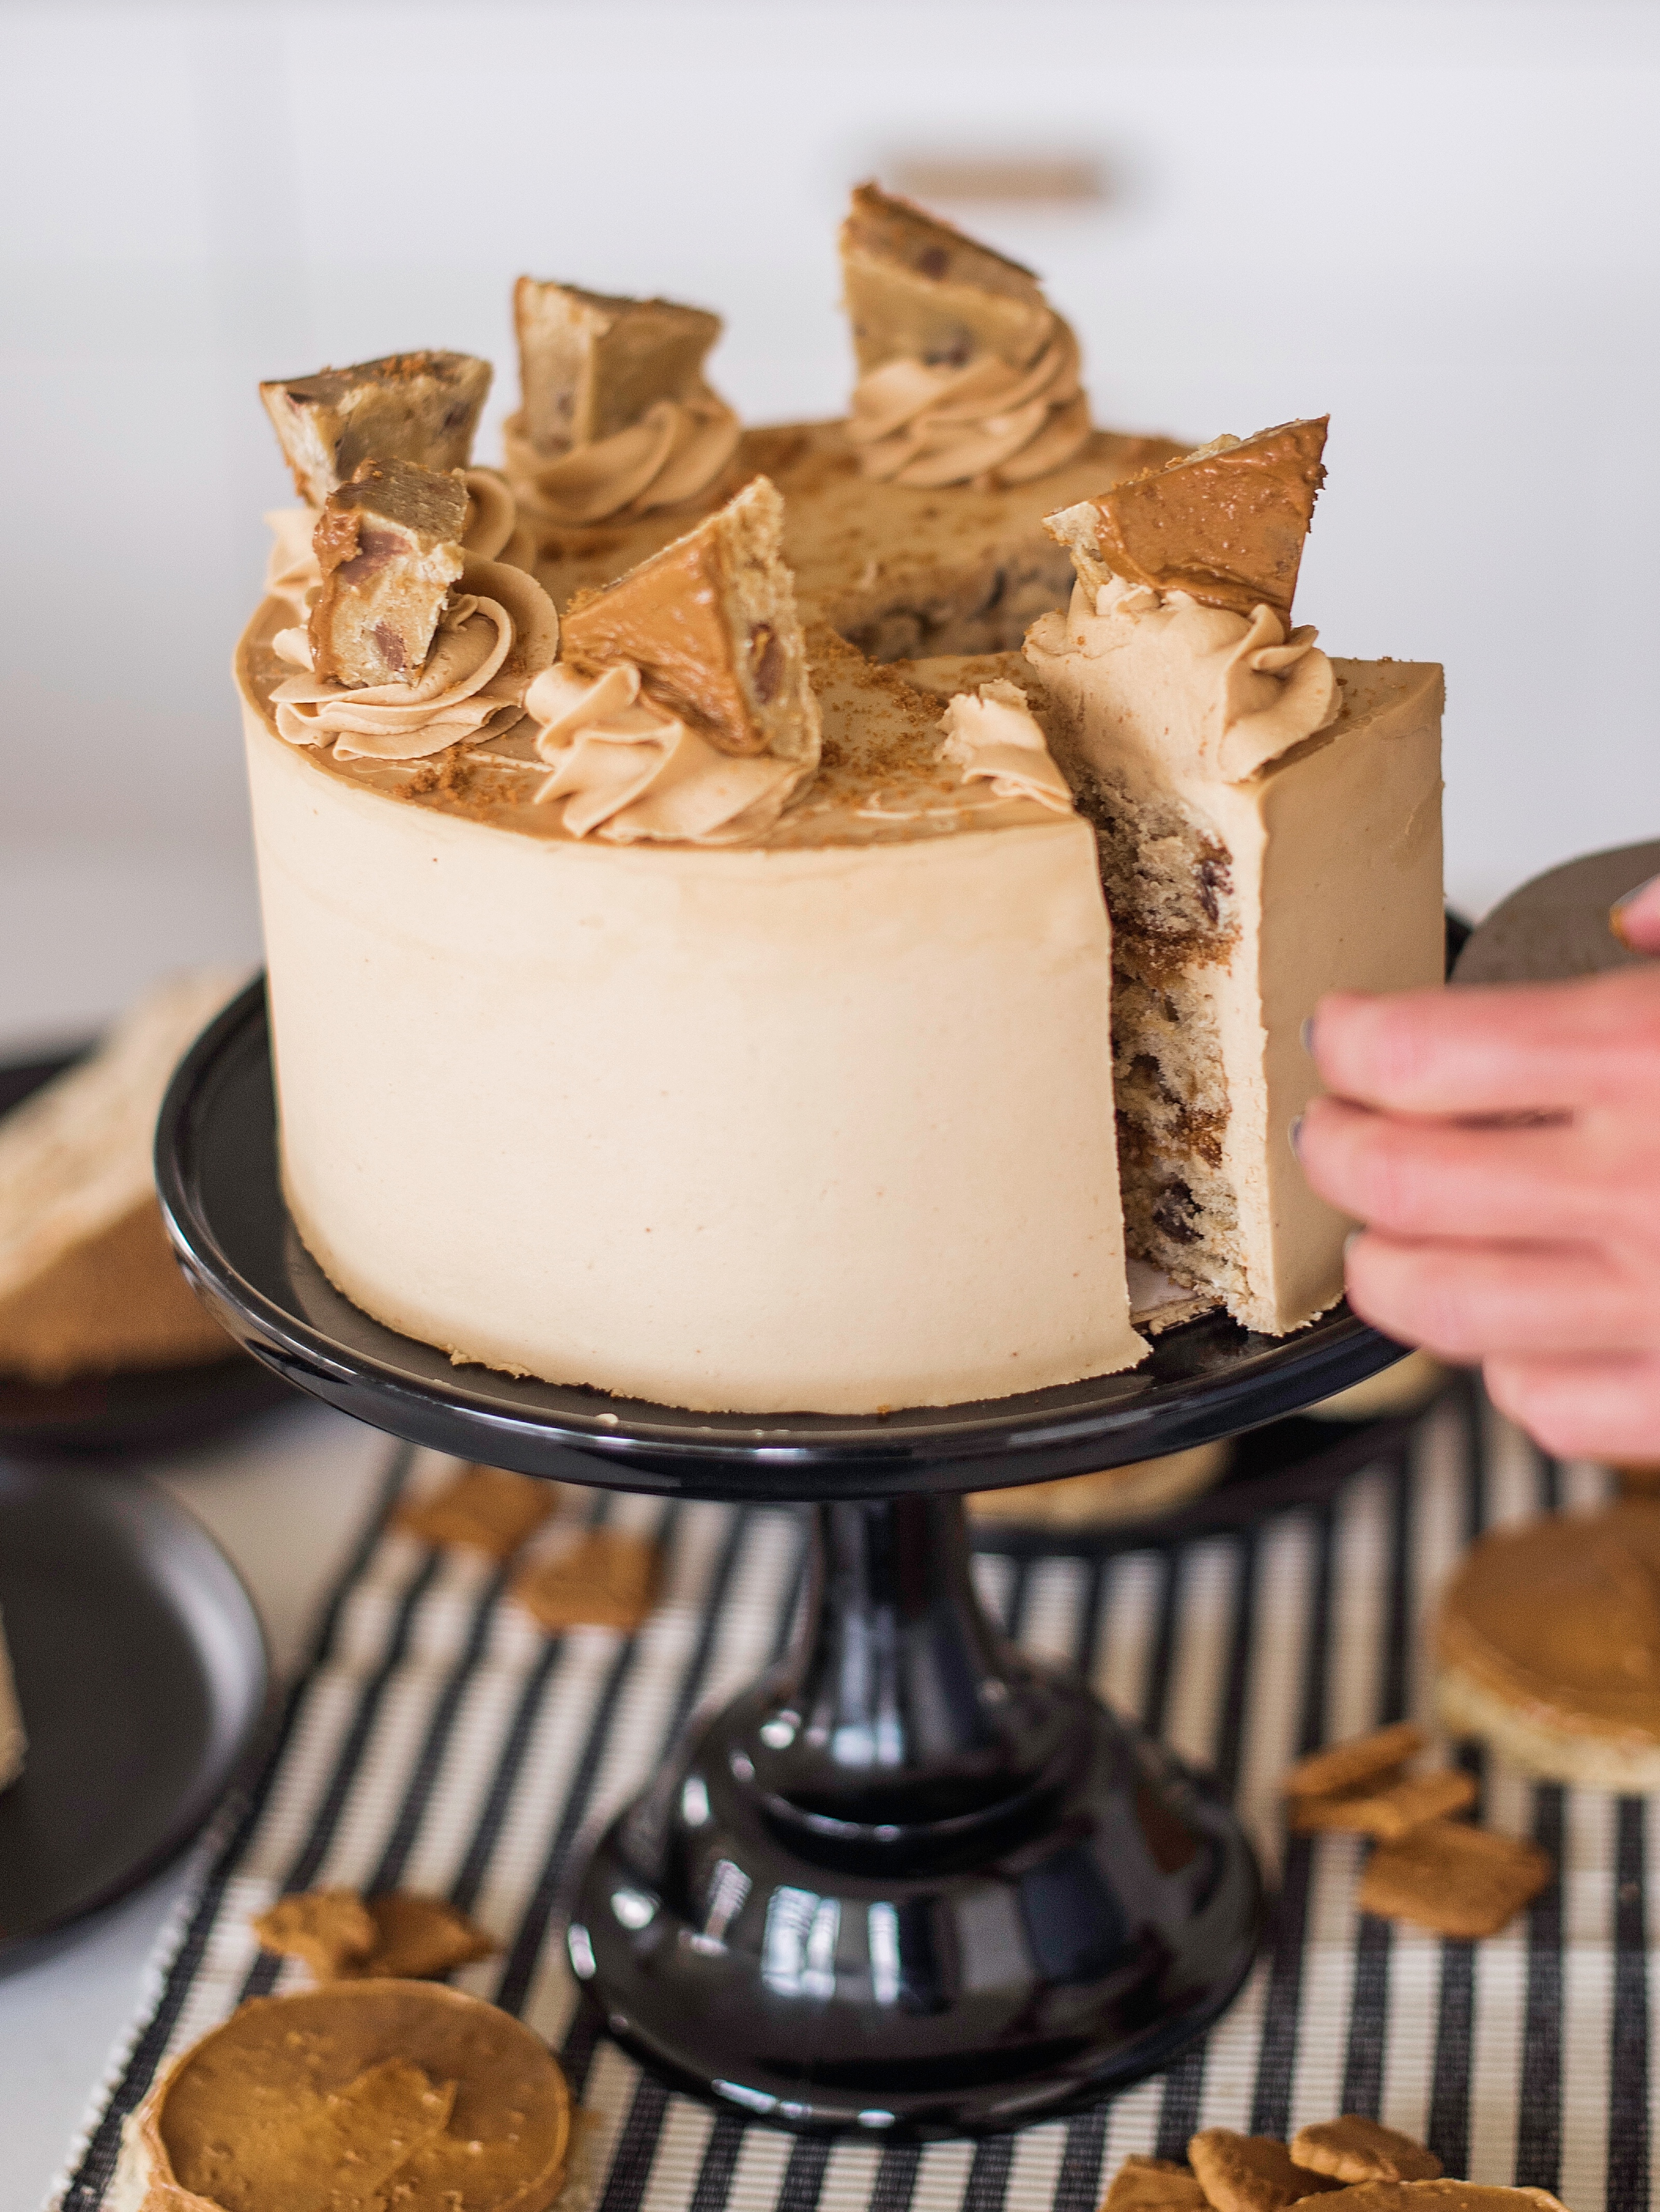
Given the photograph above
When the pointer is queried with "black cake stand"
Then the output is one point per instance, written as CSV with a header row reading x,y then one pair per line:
x,y
909,1882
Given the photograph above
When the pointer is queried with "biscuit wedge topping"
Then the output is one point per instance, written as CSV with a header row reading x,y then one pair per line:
x,y
711,624
389,546
1226,524
591,363
420,407
915,288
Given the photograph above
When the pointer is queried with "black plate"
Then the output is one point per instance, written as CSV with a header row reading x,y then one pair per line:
x,y
217,1170
157,1410
141,1676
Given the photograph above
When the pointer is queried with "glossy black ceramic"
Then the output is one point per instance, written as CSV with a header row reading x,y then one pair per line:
x,y
157,1410
217,1170
141,1679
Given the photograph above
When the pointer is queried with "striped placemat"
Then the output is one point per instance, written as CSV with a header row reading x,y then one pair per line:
x,y
437,1740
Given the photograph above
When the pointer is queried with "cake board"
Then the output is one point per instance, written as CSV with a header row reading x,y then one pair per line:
x,y
910,1882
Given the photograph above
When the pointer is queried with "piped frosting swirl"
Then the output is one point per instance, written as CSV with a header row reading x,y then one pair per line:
x,y
676,450
988,422
498,633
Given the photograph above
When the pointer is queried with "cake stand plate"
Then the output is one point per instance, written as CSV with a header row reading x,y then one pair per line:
x,y
911,1882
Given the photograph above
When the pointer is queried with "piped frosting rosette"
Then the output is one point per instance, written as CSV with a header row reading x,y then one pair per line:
x,y
988,422
498,635
675,451
993,736
628,771
493,531
1245,690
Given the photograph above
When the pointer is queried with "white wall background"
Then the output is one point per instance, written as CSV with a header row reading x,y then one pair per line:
x,y
1439,221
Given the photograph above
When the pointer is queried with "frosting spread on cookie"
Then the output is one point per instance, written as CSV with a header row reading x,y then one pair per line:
x,y
495,636
988,422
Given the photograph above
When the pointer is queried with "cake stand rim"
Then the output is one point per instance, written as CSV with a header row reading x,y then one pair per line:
x,y
983,1444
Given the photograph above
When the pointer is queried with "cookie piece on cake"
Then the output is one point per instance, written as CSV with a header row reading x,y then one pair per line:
x,y
711,624
88,1284
422,2095
1270,823
916,288
1226,524
389,547
422,407
591,363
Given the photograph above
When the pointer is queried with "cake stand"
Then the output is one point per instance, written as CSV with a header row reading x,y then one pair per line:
x,y
911,1882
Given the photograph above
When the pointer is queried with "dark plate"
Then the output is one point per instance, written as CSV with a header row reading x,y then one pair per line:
x,y
217,1170
142,1676
155,1410
1286,1464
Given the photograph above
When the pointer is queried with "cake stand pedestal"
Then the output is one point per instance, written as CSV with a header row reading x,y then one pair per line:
x,y
911,1882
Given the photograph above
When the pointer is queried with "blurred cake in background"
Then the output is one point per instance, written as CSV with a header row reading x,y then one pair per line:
x,y
88,1284
14,1741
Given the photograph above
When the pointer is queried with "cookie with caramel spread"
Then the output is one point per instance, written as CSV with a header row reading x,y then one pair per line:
x,y
1548,1645
1226,524
711,624
389,547
423,2096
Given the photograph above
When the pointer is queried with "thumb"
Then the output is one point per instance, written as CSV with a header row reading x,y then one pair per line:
x,y
1636,920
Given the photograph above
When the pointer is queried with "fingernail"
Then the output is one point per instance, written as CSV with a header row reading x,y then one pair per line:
x,y
1295,1133
1619,911
1308,1033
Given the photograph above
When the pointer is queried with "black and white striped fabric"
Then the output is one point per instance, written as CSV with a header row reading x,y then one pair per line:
x,y
440,1741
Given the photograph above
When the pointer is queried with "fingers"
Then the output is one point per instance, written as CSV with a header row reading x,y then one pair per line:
x,y
1591,1405
1504,1049
1569,1182
1467,1303
1636,920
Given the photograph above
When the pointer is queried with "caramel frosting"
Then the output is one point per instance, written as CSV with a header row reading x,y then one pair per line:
x,y
990,421
1561,1619
628,771
369,2092
498,633
1226,524
492,532
992,735
676,450
1224,693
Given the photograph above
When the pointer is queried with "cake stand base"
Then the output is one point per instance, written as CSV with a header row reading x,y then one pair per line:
x,y
912,1882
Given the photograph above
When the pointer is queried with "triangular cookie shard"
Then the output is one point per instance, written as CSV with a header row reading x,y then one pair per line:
x,y
421,407
914,287
389,545
1225,523
710,622
590,364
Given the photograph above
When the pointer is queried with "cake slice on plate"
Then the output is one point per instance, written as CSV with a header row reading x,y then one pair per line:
x,y
88,1284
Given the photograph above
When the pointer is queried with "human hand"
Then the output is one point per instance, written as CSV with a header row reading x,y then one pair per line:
x,y
1503,1146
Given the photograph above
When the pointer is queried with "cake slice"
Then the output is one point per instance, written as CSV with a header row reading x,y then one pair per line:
x,y
87,1281
914,287
389,547
591,363
711,624
1269,824
14,1742
421,407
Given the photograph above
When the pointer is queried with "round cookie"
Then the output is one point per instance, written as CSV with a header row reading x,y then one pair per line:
x,y
1549,1643
1441,2197
408,2085
1354,2149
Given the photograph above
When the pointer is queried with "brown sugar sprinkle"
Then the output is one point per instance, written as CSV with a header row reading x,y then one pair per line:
x,y
606,1579
1362,1760
1354,2150
483,1509
1454,1879
1387,1813
1250,2173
